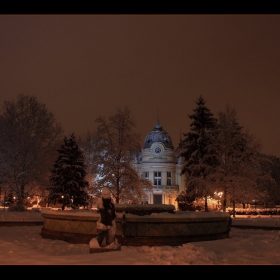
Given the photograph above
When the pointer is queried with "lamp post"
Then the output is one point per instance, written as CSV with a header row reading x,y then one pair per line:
x,y
62,202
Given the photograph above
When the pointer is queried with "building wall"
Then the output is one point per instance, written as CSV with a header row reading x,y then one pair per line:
x,y
158,158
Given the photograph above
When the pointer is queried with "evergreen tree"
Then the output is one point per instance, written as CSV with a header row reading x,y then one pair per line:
x,y
198,161
68,176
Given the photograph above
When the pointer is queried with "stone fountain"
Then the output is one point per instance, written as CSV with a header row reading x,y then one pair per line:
x,y
151,225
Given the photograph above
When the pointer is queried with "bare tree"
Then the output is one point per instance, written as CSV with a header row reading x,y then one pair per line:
x,y
30,136
88,144
239,174
116,148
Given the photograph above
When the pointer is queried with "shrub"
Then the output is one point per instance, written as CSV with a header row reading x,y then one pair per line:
x,y
265,211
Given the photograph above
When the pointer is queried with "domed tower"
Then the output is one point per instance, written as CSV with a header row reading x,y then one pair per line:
x,y
158,163
158,134
158,146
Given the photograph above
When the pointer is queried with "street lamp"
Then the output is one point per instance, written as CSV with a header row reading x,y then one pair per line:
x,y
62,202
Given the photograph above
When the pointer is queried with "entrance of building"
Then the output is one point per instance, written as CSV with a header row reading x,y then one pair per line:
x,y
157,199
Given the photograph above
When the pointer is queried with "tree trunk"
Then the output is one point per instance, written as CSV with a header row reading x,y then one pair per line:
x,y
224,205
205,204
118,190
21,196
233,208
224,201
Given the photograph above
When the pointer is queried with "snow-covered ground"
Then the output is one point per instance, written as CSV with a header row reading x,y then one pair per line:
x,y
23,245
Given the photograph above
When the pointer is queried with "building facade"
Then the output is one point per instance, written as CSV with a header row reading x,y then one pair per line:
x,y
160,163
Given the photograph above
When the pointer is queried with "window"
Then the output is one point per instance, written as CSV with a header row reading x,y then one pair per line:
x,y
157,178
146,174
169,178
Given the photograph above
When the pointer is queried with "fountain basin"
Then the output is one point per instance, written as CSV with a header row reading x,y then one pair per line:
x,y
156,229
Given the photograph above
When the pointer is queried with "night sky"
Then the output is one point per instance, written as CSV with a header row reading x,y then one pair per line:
x,y
85,66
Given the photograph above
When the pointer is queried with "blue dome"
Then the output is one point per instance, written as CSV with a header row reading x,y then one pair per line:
x,y
158,134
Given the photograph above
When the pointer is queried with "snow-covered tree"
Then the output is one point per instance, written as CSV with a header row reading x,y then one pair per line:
x,y
29,137
271,165
87,144
239,173
68,184
116,148
198,161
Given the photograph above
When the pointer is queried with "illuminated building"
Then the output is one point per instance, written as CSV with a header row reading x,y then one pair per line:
x,y
160,163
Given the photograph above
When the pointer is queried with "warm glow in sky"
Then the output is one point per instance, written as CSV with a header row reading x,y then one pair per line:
x,y
85,66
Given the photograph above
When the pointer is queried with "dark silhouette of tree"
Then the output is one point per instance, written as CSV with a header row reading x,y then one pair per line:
x,y
271,164
116,148
10,198
68,176
29,137
198,162
185,202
